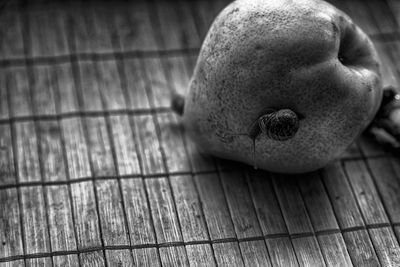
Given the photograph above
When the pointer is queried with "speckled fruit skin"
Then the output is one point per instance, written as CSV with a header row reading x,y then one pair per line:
x,y
307,56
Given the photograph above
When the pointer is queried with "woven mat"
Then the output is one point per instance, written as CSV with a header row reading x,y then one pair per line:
x,y
96,171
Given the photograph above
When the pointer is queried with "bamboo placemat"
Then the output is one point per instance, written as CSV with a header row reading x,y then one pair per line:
x,y
95,169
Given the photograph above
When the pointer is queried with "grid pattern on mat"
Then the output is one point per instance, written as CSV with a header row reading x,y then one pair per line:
x,y
95,169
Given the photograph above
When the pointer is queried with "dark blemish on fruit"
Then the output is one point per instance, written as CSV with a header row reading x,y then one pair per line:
x,y
280,125
178,103
335,28
258,47
224,138
369,87
235,10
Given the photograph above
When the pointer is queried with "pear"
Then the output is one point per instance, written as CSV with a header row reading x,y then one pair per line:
x,y
283,85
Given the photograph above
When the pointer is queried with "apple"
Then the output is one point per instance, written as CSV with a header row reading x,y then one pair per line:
x,y
283,85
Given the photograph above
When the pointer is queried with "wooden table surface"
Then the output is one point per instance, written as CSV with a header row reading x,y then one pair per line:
x,y
96,171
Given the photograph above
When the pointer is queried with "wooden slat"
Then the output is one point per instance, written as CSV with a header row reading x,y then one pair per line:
x,y
11,44
281,252
203,16
215,207
317,202
390,55
47,32
385,172
148,144
387,247
16,263
348,214
200,255
240,205
92,29
89,86
395,9
381,14
27,152
10,224
371,148
199,161
176,27
308,252
119,258
191,61
109,84
340,193
67,261
334,250
138,214
111,213
34,221
174,256
157,82
255,253
177,73
92,259
51,151
219,5
127,160
85,214
18,92
66,92
146,257
61,224
360,248
7,169
385,52
39,262
353,151
365,193
134,27
266,204
4,108
292,205
208,10
135,85
228,254
190,214
76,148
359,13
172,143
87,223
163,211
100,147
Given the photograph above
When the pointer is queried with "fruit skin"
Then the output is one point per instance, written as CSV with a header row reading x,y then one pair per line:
x,y
306,56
